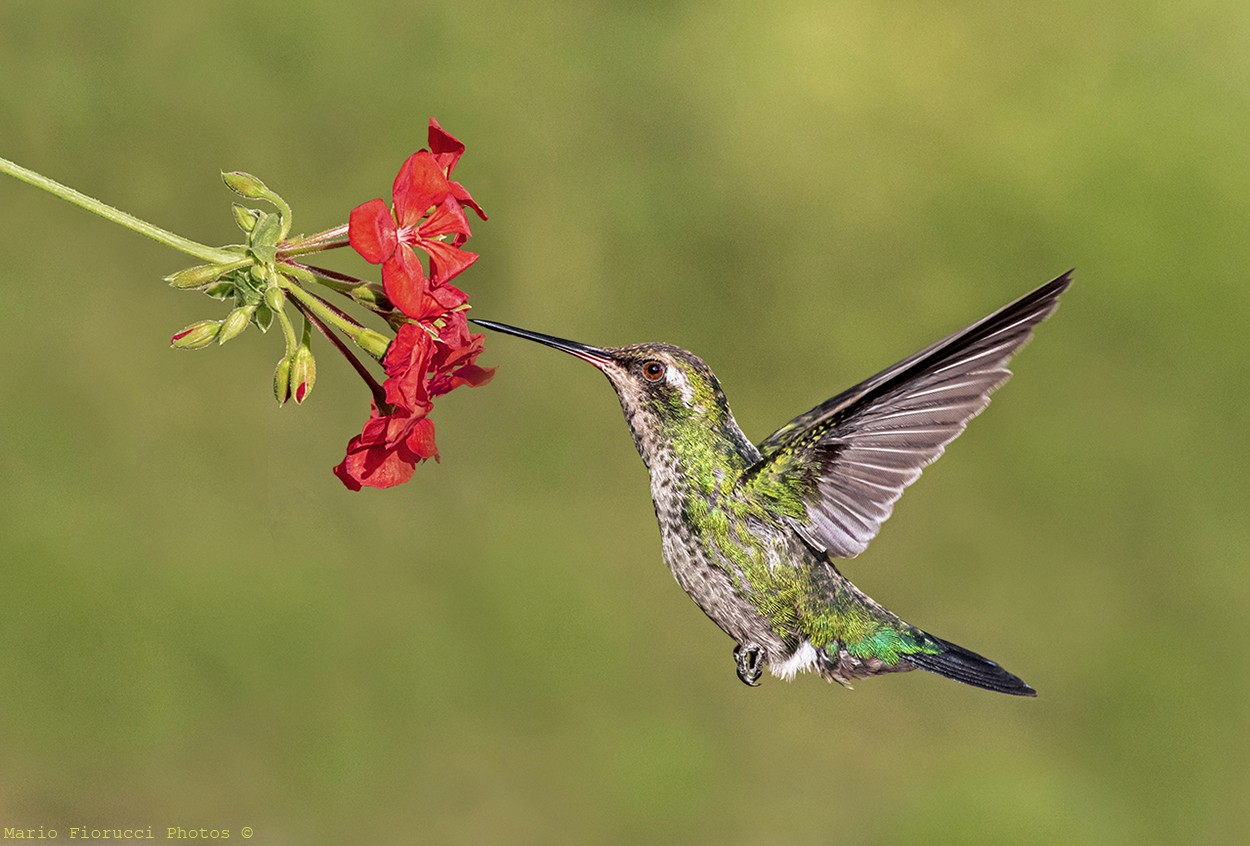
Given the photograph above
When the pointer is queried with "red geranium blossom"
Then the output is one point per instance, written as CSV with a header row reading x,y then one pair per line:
x,y
425,213
454,355
433,352
418,368
386,453
407,363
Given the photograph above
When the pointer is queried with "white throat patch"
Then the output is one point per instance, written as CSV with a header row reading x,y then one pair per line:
x,y
678,380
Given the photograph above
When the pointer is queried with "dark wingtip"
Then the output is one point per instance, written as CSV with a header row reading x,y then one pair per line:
x,y
963,665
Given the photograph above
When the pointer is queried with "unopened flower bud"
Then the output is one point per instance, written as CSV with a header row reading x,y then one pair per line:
x,y
196,336
275,297
245,217
246,185
235,323
303,373
195,277
282,380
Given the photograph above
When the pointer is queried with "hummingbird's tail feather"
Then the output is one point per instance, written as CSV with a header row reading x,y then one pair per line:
x,y
966,666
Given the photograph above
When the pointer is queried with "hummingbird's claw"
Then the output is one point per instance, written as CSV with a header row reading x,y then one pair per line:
x,y
750,665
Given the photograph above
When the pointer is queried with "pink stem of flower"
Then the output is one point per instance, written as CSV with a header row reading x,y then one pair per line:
x,y
379,394
340,283
331,239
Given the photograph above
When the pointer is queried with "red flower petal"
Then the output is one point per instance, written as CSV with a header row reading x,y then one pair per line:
x,y
447,150
420,441
403,279
436,302
470,374
462,195
407,362
419,185
448,297
455,332
374,466
371,230
387,450
446,219
446,147
446,261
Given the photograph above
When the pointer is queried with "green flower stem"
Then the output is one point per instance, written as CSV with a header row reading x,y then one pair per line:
x,y
169,239
348,286
379,394
374,343
288,332
309,275
331,239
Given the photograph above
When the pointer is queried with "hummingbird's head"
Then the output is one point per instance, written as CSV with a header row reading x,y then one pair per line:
x,y
663,389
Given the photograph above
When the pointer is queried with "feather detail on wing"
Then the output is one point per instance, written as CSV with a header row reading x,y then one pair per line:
x,y
853,455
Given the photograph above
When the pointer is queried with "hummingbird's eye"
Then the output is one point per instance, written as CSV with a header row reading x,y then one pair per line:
x,y
652,371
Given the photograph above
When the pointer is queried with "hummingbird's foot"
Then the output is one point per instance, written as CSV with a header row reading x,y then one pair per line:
x,y
750,663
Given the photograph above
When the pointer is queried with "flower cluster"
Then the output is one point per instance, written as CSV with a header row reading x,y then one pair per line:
x,y
433,351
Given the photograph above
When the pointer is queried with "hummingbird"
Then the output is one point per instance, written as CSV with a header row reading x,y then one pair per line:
x,y
754,533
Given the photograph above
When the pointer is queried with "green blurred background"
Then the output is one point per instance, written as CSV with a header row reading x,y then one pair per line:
x,y
200,627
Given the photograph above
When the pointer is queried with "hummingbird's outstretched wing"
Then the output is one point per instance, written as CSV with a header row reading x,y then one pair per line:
x,y
851,456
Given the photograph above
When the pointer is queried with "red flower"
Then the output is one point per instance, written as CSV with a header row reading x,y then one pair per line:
x,y
418,368
434,352
452,361
407,361
425,213
386,453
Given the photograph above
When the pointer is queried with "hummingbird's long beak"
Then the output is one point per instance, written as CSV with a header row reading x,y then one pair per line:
x,y
596,356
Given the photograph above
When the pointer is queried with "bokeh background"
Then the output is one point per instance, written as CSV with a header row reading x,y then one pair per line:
x,y
200,627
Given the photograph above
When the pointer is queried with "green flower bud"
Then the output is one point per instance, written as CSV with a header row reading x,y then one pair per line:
x,y
282,380
246,185
275,298
245,217
303,373
196,336
198,276
235,322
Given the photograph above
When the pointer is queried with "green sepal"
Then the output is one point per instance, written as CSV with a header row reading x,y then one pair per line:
x,y
223,290
262,317
267,232
265,253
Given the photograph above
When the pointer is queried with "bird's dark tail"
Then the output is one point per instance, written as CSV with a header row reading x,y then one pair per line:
x,y
965,666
